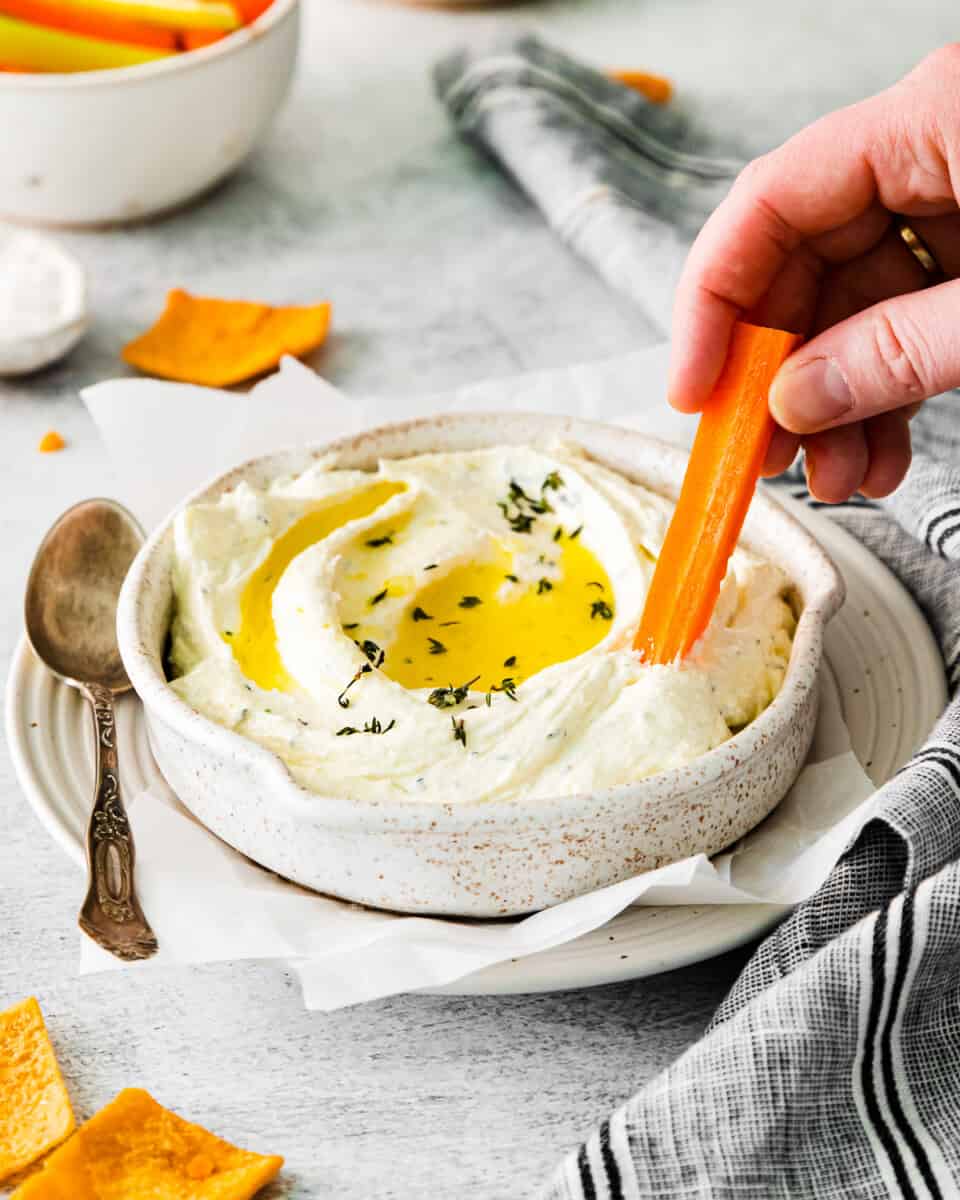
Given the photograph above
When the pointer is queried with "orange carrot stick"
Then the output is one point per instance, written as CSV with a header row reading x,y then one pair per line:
x,y
731,443
40,48
247,10
96,25
196,39
656,88
250,10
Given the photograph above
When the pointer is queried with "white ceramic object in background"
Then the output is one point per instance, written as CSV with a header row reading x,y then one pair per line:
x,y
43,302
501,857
98,147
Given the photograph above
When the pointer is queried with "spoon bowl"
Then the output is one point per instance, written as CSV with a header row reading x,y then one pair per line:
x,y
70,612
73,589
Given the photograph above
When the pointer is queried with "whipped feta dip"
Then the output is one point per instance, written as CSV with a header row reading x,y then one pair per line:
x,y
458,628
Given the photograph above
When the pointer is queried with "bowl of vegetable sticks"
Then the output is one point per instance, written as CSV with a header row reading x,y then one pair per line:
x,y
119,110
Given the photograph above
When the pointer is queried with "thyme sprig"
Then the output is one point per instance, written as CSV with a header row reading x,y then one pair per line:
x,y
520,509
374,656
371,726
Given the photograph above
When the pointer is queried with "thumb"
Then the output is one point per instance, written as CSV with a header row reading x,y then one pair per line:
x,y
897,353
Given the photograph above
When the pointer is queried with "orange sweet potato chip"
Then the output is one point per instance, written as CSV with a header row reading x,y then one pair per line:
x,y
219,342
35,1111
136,1148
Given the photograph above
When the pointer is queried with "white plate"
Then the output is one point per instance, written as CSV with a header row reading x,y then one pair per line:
x,y
880,657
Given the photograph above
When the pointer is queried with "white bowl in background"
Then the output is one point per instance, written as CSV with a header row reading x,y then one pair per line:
x,y
99,147
43,302
501,857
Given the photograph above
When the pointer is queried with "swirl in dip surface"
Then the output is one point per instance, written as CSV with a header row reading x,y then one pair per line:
x,y
457,628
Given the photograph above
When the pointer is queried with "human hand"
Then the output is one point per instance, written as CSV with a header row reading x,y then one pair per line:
x,y
807,241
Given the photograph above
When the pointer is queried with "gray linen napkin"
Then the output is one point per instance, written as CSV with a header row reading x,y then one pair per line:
x,y
832,1070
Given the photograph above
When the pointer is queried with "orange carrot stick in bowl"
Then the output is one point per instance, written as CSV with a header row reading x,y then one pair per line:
x,y
35,48
96,25
196,39
731,443
250,10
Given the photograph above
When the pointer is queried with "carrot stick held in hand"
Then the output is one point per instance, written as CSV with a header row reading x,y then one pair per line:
x,y
731,443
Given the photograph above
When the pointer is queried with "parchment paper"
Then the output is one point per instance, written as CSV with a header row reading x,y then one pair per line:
x,y
207,903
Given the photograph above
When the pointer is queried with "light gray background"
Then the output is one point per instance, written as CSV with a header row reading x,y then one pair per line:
x,y
441,274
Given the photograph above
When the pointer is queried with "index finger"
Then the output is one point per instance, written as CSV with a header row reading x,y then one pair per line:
x,y
818,181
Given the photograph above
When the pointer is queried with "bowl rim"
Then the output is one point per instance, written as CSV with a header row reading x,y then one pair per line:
x,y
162,703
235,42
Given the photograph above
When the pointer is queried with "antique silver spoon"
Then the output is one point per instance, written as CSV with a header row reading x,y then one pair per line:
x,y
71,611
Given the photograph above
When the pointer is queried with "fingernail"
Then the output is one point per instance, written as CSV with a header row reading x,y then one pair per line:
x,y
810,396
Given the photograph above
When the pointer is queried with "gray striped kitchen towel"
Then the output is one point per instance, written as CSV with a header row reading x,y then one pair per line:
x,y
832,1070
626,183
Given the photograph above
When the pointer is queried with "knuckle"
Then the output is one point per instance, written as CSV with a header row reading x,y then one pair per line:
x,y
751,175
902,356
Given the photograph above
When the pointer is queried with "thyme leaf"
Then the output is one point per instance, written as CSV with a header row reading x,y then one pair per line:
x,y
450,697
418,614
511,661
509,688
469,602
374,543
600,608
436,647
544,585
459,731
377,598
373,652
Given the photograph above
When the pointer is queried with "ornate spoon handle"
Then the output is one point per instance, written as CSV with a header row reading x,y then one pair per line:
x,y
111,913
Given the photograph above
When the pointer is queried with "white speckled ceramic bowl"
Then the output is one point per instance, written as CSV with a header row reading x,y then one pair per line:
x,y
502,857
